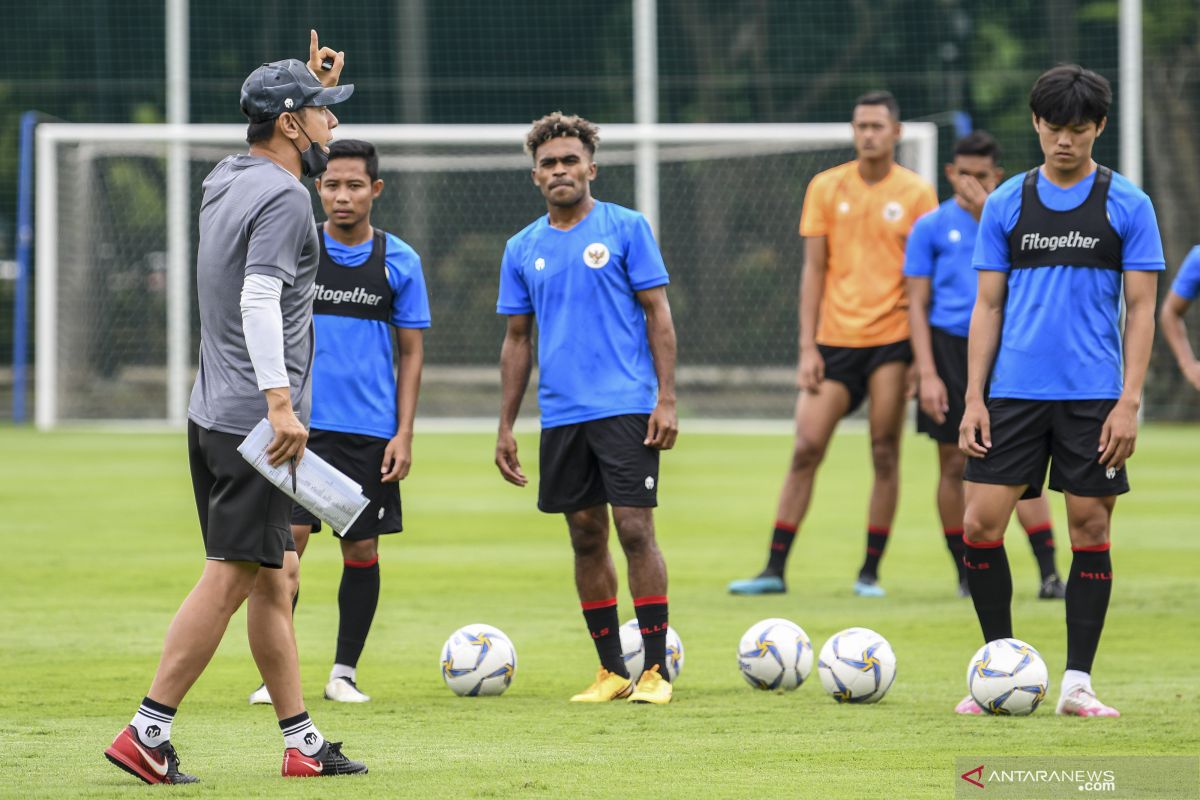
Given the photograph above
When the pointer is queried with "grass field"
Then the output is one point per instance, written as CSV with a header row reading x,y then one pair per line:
x,y
101,545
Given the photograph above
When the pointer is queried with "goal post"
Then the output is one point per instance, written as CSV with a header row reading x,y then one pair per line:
x,y
115,234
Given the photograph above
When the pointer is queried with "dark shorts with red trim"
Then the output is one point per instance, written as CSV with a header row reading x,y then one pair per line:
x,y
853,366
243,516
596,462
1029,435
360,458
950,360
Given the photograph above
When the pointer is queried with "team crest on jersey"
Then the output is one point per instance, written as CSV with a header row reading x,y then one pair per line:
x,y
955,236
843,207
892,211
595,255
539,264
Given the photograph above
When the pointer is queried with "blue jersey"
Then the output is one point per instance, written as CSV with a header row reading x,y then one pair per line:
x,y
594,356
1187,280
354,380
940,247
1061,338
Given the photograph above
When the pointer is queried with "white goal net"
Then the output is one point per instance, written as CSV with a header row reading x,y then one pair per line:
x,y
117,330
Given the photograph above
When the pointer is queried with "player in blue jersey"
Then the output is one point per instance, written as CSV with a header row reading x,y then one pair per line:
x,y
370,307
941,293
591,275
1057,248
1184,290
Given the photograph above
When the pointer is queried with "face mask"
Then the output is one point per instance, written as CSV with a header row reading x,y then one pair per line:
x,y
313,159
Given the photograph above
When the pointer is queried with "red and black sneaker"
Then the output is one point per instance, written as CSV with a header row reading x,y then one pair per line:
x,y
326,761
150,764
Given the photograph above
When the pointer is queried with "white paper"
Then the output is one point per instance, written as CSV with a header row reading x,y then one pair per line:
x,y
322,489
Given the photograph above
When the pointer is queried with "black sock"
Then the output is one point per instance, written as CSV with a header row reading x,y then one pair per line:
x,y
990,581
358,597
1089,587
652,620
1041,539
605,627
877,539
954,543
781,545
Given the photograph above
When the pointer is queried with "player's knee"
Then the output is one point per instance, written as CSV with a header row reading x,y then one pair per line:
x,y
953,466
806,454
637,539
1090,529
589,539
980,527
885,456
362,550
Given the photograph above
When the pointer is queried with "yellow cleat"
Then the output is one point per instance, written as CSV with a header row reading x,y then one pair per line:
x,y
608,686
652,688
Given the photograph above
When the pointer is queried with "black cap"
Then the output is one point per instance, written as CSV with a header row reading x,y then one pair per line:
x,y
286,85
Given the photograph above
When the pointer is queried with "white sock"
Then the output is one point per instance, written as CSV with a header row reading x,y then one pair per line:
x,y
1073,679
153,722
342,671
300,733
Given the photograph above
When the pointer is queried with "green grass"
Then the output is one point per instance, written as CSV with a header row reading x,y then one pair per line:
x,y
101,545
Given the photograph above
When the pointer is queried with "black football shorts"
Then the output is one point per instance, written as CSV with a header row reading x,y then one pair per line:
x,y
852,366
243,517
360,458
1028,435
600,461
950,360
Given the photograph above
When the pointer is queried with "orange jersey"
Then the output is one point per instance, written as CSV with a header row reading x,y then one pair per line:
x,y
865,229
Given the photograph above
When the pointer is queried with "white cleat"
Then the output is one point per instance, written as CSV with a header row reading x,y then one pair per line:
x,y
260,696
1081,702
344,690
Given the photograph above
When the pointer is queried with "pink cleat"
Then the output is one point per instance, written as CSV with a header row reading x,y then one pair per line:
x,y
968,706
1082,702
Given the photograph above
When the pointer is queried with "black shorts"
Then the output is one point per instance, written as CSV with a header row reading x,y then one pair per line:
x,y
600,461
1029,434
359,457
243,517
950,360
852,366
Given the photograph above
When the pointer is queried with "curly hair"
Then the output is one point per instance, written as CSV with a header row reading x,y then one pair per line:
x,y
558,124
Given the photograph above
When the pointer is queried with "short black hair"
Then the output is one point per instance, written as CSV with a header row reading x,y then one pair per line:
x,y
557,125
1069,94
879,97
978,143
357,148
260,131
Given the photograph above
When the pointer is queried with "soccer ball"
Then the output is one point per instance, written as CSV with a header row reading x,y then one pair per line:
x,y
775,655
634,654
857,665
478,660
1007,676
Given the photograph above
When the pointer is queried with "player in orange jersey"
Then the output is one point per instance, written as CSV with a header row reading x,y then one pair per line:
x,y
853,329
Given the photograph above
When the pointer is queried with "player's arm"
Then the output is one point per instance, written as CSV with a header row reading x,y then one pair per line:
x,y
1175,332
812,288
987,319
932,391
397,457
663,427
1119,434
516,361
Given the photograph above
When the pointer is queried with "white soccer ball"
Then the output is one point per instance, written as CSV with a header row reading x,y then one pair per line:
x,y
478,660
775,655
857,665
1007,676
633,652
